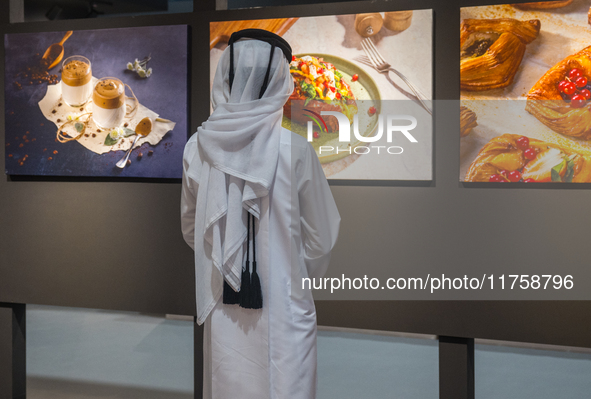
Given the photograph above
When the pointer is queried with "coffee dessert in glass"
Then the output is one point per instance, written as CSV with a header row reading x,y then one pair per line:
x,y
109,103
76,80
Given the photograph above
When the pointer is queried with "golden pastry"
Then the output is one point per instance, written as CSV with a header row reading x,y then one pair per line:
x,y
467,121
542,5
515,158
560,99
492,50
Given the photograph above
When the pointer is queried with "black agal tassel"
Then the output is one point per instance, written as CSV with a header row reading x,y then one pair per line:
x,y
253,299
245,286
256,291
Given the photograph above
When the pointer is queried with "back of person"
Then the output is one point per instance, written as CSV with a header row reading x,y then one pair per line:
x,y
238,170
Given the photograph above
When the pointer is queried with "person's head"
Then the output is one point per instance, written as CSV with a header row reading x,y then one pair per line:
x,y
246,72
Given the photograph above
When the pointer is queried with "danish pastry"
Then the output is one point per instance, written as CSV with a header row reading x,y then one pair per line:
x,y
560,99
515,158
492,50
467,121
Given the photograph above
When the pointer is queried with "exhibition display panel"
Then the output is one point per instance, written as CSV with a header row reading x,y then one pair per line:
x,y
524,93
339,47
63,119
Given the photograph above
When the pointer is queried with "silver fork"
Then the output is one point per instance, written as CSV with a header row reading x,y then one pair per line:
x,y
379,63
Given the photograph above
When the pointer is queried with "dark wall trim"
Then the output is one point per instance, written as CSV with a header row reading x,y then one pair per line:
x,y
12,351
456,368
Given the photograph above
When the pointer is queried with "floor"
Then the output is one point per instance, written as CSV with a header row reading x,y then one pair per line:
x,y
82,353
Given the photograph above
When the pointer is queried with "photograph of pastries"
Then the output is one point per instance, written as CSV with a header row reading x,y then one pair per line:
x,y
546,100
88,103
332,71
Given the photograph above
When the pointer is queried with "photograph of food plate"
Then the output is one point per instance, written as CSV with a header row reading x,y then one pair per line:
x,y
337,65
96,103
525,73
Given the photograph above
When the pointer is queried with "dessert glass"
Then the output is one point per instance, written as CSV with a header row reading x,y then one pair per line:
x,y
76,80
108,97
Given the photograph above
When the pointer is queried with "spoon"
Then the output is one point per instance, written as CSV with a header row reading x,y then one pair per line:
x,y
141,130
54,53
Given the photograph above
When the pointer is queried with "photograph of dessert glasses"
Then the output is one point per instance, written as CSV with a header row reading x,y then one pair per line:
x,y
76,102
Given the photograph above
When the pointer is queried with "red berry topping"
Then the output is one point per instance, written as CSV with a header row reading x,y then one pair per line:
x,y
581,82
561,85
523,143
371,110
575,73
354,78
530,180
316,135
569,88
577,101
504,173
530,153
495,178
585,93
514,176
338,95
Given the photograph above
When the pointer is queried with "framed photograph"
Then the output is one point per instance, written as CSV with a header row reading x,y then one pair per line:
x,y
376,69
109,102
526,93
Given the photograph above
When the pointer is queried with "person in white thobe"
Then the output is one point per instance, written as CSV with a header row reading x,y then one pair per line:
x,y
241,160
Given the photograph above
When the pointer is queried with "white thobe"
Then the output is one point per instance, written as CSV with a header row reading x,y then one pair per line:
x,y
270,353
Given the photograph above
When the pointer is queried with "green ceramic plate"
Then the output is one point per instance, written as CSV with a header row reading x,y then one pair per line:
x,y
365,91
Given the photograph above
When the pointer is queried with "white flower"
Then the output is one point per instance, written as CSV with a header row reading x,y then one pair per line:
x,y
141,67
117,133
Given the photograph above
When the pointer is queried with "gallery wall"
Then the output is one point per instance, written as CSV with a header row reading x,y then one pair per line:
x,y
116,244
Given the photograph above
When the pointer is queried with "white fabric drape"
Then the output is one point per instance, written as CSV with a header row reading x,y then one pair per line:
x,y
239,146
